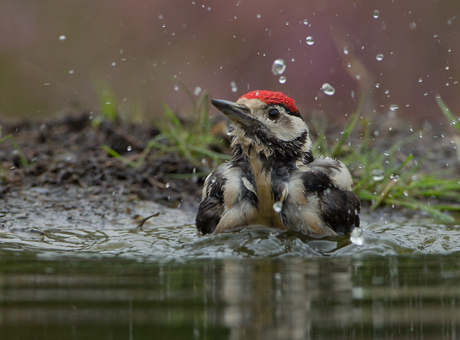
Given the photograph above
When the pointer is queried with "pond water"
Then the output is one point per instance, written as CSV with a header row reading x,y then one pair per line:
x,y
78,273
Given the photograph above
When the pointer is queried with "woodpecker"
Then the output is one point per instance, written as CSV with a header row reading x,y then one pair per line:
x,y
273,178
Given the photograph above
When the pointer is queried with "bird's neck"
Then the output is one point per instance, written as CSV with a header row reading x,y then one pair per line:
x,y
260,161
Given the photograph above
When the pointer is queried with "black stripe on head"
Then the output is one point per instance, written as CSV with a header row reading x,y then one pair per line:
x,y
292,113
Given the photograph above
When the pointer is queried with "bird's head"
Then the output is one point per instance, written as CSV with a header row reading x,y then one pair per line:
x,y
268,124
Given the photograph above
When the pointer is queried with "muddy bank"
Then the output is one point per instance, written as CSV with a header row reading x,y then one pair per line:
x,y
67,153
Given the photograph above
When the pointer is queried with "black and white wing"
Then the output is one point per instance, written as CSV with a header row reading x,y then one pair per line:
x,y
212,201
331,181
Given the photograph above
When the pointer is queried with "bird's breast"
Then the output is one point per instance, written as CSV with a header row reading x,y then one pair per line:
x,y
267,213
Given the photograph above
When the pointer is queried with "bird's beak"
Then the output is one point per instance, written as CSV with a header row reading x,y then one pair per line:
x,y
235,112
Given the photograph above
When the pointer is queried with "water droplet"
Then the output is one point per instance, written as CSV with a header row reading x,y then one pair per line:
x,y
345,50
310,40
167,185
357,237
282,79
233,86
70,71
376,14
62,37
394,107
258,16
278,67
197,91
447,67
129,148
377,175
213,179
420,80
305,21
328,89
379,57
405,193
176,88
113,63
377,85
277,206
412,25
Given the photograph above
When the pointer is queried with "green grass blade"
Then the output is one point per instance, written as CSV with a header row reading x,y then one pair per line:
x,y
448,114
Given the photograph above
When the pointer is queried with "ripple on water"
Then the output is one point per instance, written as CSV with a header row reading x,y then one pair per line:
x,y
172,236
182,242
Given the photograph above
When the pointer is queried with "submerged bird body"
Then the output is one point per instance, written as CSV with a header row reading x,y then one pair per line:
x,y
273,178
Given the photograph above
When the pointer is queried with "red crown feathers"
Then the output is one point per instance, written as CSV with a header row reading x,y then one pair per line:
x,y
271,98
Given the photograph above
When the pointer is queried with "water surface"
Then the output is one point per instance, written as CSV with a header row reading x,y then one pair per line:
x,y
98,275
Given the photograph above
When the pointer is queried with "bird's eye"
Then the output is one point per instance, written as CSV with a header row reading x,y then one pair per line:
x,y
273,114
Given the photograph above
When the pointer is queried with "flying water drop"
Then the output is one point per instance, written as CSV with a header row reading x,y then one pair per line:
x,y
379,57
376,14
345,50
357,237
278,67
282,79
310,40
328,89
377,175
277,206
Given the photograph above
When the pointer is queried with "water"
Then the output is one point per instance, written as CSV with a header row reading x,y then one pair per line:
x,y
328,89
98,275
278,67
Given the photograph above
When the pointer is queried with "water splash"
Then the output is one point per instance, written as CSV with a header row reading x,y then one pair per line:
x,y
277,206
357,237
278,67
377,175
328,89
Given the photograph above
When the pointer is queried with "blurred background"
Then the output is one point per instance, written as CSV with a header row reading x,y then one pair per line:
x,y
61,55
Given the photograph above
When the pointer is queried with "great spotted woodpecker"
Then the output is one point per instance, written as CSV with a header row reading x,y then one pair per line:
x,y
273,178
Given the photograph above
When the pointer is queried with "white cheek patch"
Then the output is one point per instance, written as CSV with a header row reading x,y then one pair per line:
x,y
288,132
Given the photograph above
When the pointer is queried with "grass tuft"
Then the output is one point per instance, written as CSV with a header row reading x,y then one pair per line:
x,y
193,141
389,178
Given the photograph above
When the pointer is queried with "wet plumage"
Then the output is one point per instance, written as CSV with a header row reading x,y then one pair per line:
x,y
273,178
